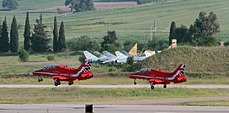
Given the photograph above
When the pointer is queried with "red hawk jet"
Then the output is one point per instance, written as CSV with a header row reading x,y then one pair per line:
x,y
157,76
64,73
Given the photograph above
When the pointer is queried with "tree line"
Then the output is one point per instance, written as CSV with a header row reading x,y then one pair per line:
x,y
203,32
38,41
74,5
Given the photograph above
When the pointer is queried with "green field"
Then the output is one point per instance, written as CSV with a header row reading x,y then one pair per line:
x,y
74,94
131,23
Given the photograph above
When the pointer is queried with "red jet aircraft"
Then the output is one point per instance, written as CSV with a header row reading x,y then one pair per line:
x,y
157,76
65,73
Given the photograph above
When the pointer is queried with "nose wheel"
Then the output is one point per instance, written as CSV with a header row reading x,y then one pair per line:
x,y
165,86
135,83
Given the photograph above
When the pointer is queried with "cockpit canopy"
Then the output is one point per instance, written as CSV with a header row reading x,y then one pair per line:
x,y
49,66
144,70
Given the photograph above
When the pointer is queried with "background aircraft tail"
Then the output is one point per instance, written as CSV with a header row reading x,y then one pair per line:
x,y
120,55
108,54
133,50
88,55
147,53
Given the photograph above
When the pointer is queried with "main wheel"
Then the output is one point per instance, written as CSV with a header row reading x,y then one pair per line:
x,y
40,79
135,83
70,83
165,86
56,82
152,87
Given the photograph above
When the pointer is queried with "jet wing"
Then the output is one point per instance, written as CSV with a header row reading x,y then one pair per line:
x,y
155,80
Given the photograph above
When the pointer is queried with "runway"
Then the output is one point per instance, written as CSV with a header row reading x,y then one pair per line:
x,y
80,108
210,86
164,105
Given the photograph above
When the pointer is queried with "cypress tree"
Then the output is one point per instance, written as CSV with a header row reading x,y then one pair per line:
x,y
40,39
0,37
5,38
55,36
14,36
62,43
27,33
172,33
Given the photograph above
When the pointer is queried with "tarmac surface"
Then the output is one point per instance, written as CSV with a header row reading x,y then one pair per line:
x,y
79,108
116,86
164,105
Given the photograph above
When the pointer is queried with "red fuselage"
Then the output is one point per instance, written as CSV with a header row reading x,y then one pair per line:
x,y
157,76
64,73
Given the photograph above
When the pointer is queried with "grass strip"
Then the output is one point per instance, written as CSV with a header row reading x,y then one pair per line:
x,y
74,94
207,103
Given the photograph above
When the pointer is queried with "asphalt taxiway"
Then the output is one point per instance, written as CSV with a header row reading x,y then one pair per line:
x,y
78,108
210,86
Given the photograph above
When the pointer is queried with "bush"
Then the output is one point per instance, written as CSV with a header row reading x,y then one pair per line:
x,y
23,55
157,44
82,58
83,43
51,57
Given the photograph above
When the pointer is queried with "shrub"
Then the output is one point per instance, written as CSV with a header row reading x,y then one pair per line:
x,y
23,55
83,43
51,57
82,58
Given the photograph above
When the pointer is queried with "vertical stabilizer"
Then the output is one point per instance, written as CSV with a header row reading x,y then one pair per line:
x,y
180,68
133,50
88,55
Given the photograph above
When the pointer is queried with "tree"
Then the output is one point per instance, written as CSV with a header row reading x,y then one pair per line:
x,y
27,33
205,26
10,4
0,37
83,43
55,36
5,38
14,36
62,43
109,42
172,33
84,5
181,35
40,38
71,3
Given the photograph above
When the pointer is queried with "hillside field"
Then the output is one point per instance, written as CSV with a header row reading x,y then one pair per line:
x,y
130,23
202,60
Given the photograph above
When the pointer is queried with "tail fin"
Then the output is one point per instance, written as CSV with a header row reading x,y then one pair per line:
x,y
133,50
108,54
84,67
88,55
180,68
120,55
147,53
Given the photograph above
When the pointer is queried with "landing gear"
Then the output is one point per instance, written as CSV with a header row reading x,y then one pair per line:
x,y
57,82
152,87
40,79
165,86
70,83
135,82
